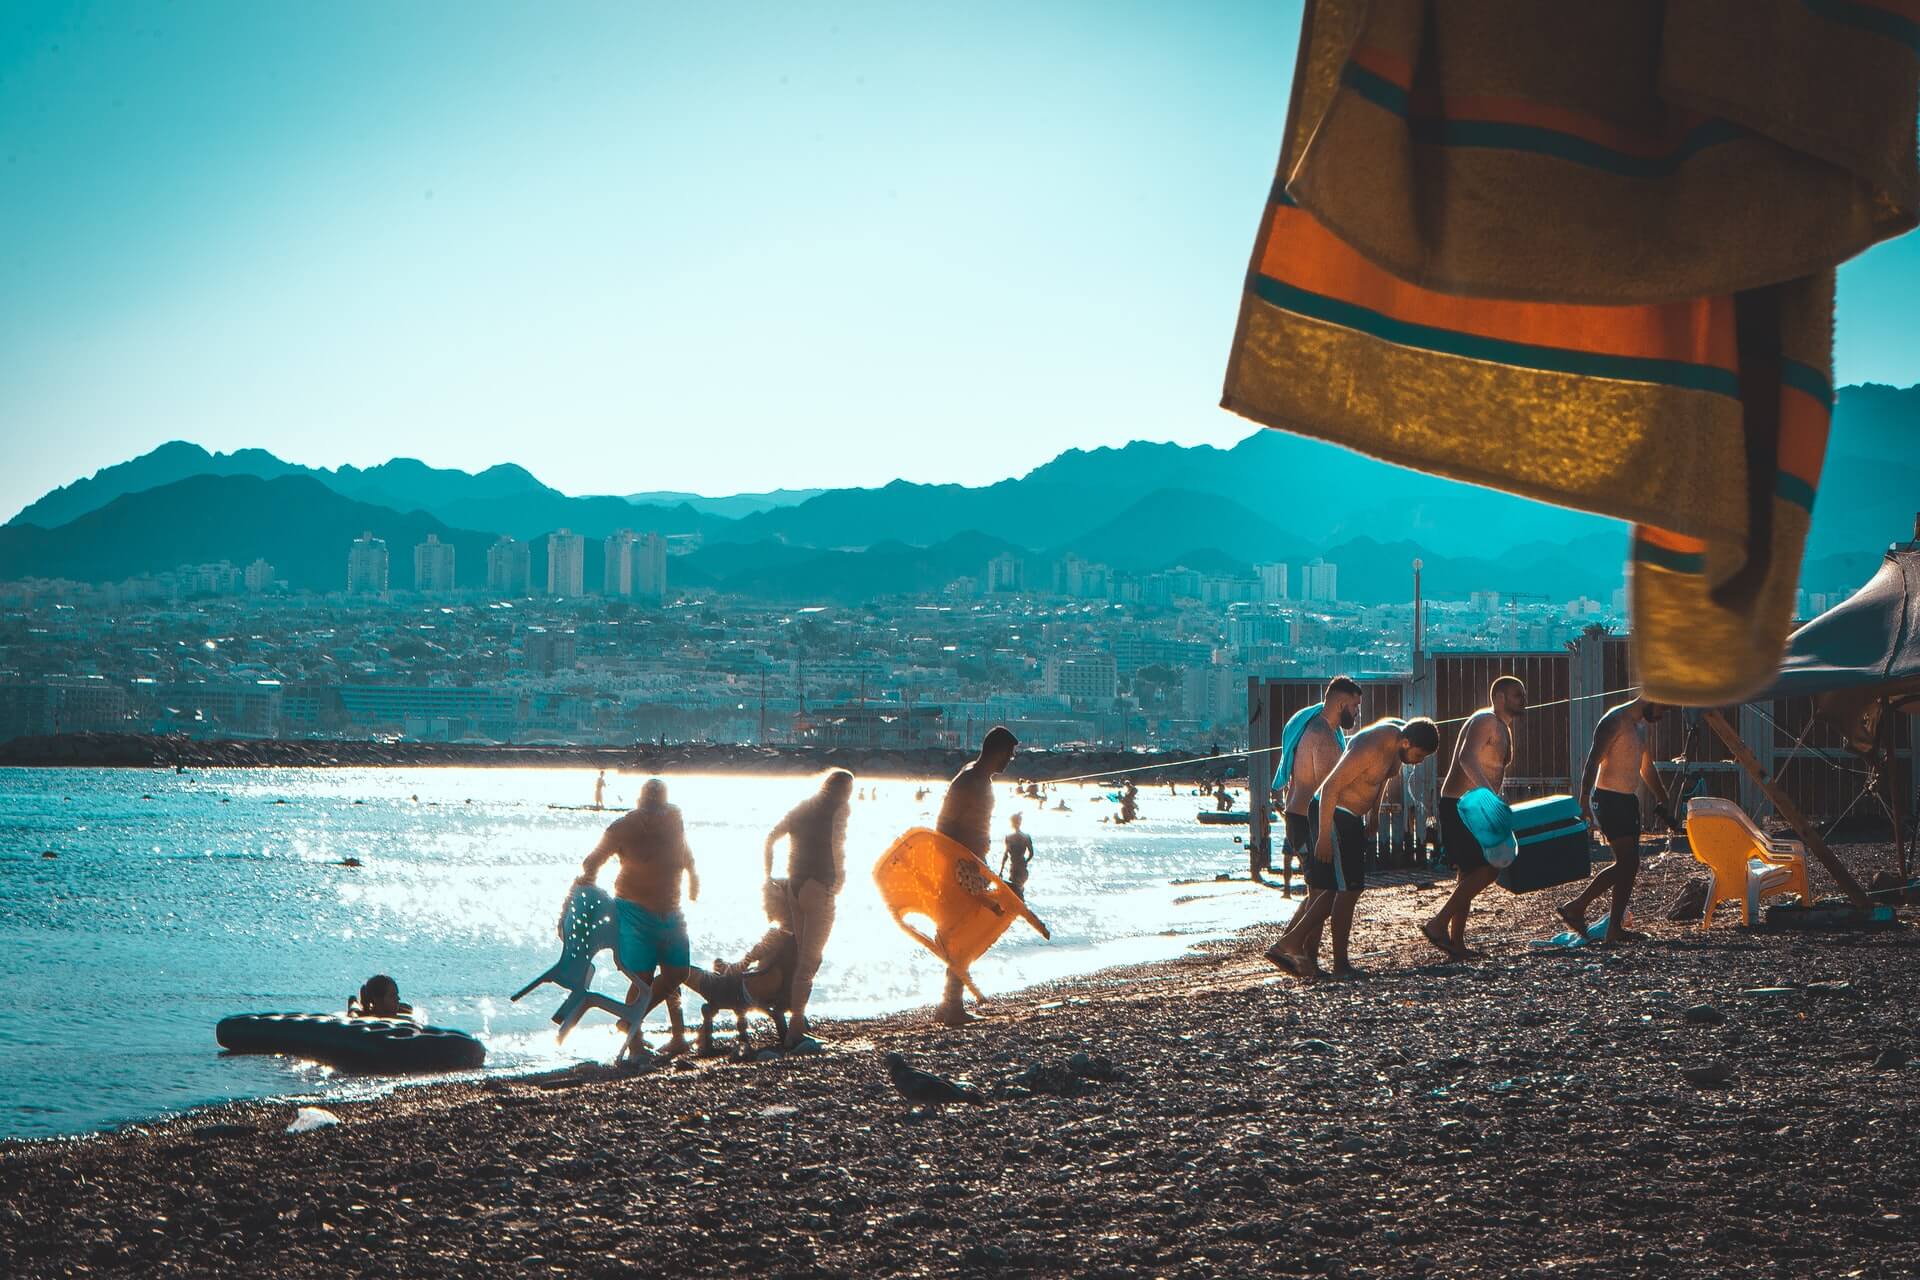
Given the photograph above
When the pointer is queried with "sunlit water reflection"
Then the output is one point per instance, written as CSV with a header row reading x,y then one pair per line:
x,y
176,899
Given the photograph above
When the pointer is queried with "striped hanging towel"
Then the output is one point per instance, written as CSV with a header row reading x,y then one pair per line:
x,y
1585,253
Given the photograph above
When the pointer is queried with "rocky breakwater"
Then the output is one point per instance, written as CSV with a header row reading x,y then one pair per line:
x,y
131,750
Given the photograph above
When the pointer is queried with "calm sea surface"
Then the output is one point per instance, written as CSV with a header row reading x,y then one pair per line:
x,y
176,899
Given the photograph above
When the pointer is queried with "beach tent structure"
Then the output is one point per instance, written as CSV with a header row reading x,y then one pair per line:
x,y
1858,661
1861,658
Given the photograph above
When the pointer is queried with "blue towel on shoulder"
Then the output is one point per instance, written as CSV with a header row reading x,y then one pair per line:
x,y
1296,728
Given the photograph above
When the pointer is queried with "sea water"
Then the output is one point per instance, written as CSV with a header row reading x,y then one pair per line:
x,y
175,899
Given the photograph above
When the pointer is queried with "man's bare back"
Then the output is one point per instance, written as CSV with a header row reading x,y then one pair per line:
x,y
1313,760
1624,738
651,844
1485,749
1357,780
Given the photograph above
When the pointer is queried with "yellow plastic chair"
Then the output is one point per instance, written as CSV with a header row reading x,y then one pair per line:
x,y
1737,872
1779,851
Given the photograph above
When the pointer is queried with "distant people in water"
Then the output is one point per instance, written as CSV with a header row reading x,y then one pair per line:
x,y
379,998
1129,801
1222,798
1016,858
600,790
816,834
966,816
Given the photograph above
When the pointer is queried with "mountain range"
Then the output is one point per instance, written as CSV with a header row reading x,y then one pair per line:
x,y
1138,507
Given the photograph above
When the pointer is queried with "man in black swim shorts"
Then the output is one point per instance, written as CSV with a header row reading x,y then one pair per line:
x,y
1336,873
1619,760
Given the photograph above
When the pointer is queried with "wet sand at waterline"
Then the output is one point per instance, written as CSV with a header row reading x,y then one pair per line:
x,y
1524,1115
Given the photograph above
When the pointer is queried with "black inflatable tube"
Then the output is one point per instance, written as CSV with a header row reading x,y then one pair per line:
x,y
380,1045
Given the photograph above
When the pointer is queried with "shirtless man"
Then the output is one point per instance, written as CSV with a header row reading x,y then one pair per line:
x,y
1321,742
651,843
1016,858
966,815
1338,870
1481,758
1620,758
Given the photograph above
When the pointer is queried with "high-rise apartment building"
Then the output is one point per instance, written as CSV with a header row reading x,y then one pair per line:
x,y
259,576
433,565
509,565
636,566
566,563
1083,678
1273,581
367,566
1320,581
617,578
650,568
1006,572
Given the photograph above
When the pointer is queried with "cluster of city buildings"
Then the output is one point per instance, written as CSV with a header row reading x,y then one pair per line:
x,y
1163,664
635,566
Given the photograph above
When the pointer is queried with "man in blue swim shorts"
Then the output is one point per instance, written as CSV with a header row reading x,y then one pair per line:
x,y
652,947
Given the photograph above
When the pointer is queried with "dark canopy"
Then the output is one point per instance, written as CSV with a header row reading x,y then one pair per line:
x,y
1869,641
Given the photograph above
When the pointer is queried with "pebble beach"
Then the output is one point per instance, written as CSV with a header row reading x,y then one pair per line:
x,y
1535,1113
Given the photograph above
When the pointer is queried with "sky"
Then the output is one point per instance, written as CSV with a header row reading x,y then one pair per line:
x,y
637,246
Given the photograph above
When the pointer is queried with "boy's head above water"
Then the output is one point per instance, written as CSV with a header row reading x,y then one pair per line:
x,y
380,996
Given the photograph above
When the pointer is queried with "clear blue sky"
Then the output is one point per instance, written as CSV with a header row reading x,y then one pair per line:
x,y
638,246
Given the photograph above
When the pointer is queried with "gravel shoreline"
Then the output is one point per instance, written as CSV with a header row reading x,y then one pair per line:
x,y
1524,1115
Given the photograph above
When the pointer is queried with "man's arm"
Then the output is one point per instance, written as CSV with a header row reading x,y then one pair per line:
x,y
1662,802
590,869
784,827
1323,838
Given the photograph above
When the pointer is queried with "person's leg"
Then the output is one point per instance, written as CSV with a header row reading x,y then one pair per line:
x,y
1342,917
1298,950
952,1011
1472,883
1574,910
666,990
813,922
1626,866
1618,816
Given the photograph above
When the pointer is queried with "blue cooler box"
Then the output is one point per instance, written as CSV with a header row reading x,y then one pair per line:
x,y
1554,846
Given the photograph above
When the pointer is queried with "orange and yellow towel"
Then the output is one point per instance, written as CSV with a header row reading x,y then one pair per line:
x,y
1585,253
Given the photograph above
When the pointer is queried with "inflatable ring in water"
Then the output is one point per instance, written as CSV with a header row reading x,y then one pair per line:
x,y
384,1045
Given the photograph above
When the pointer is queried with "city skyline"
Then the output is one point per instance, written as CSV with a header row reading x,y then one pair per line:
x,y
960,249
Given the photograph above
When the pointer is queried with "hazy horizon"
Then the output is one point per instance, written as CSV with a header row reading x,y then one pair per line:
x,y
845,246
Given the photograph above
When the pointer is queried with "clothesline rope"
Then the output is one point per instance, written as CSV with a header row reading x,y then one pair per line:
x,y
1254,751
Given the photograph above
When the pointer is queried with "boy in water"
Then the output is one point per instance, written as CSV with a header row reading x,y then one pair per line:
x,y
379,998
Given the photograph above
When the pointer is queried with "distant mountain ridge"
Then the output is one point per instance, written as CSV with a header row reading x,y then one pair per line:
x,y
1137,507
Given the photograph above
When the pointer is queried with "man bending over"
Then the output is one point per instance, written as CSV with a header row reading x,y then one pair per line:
x,y
1337,872
1481,758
